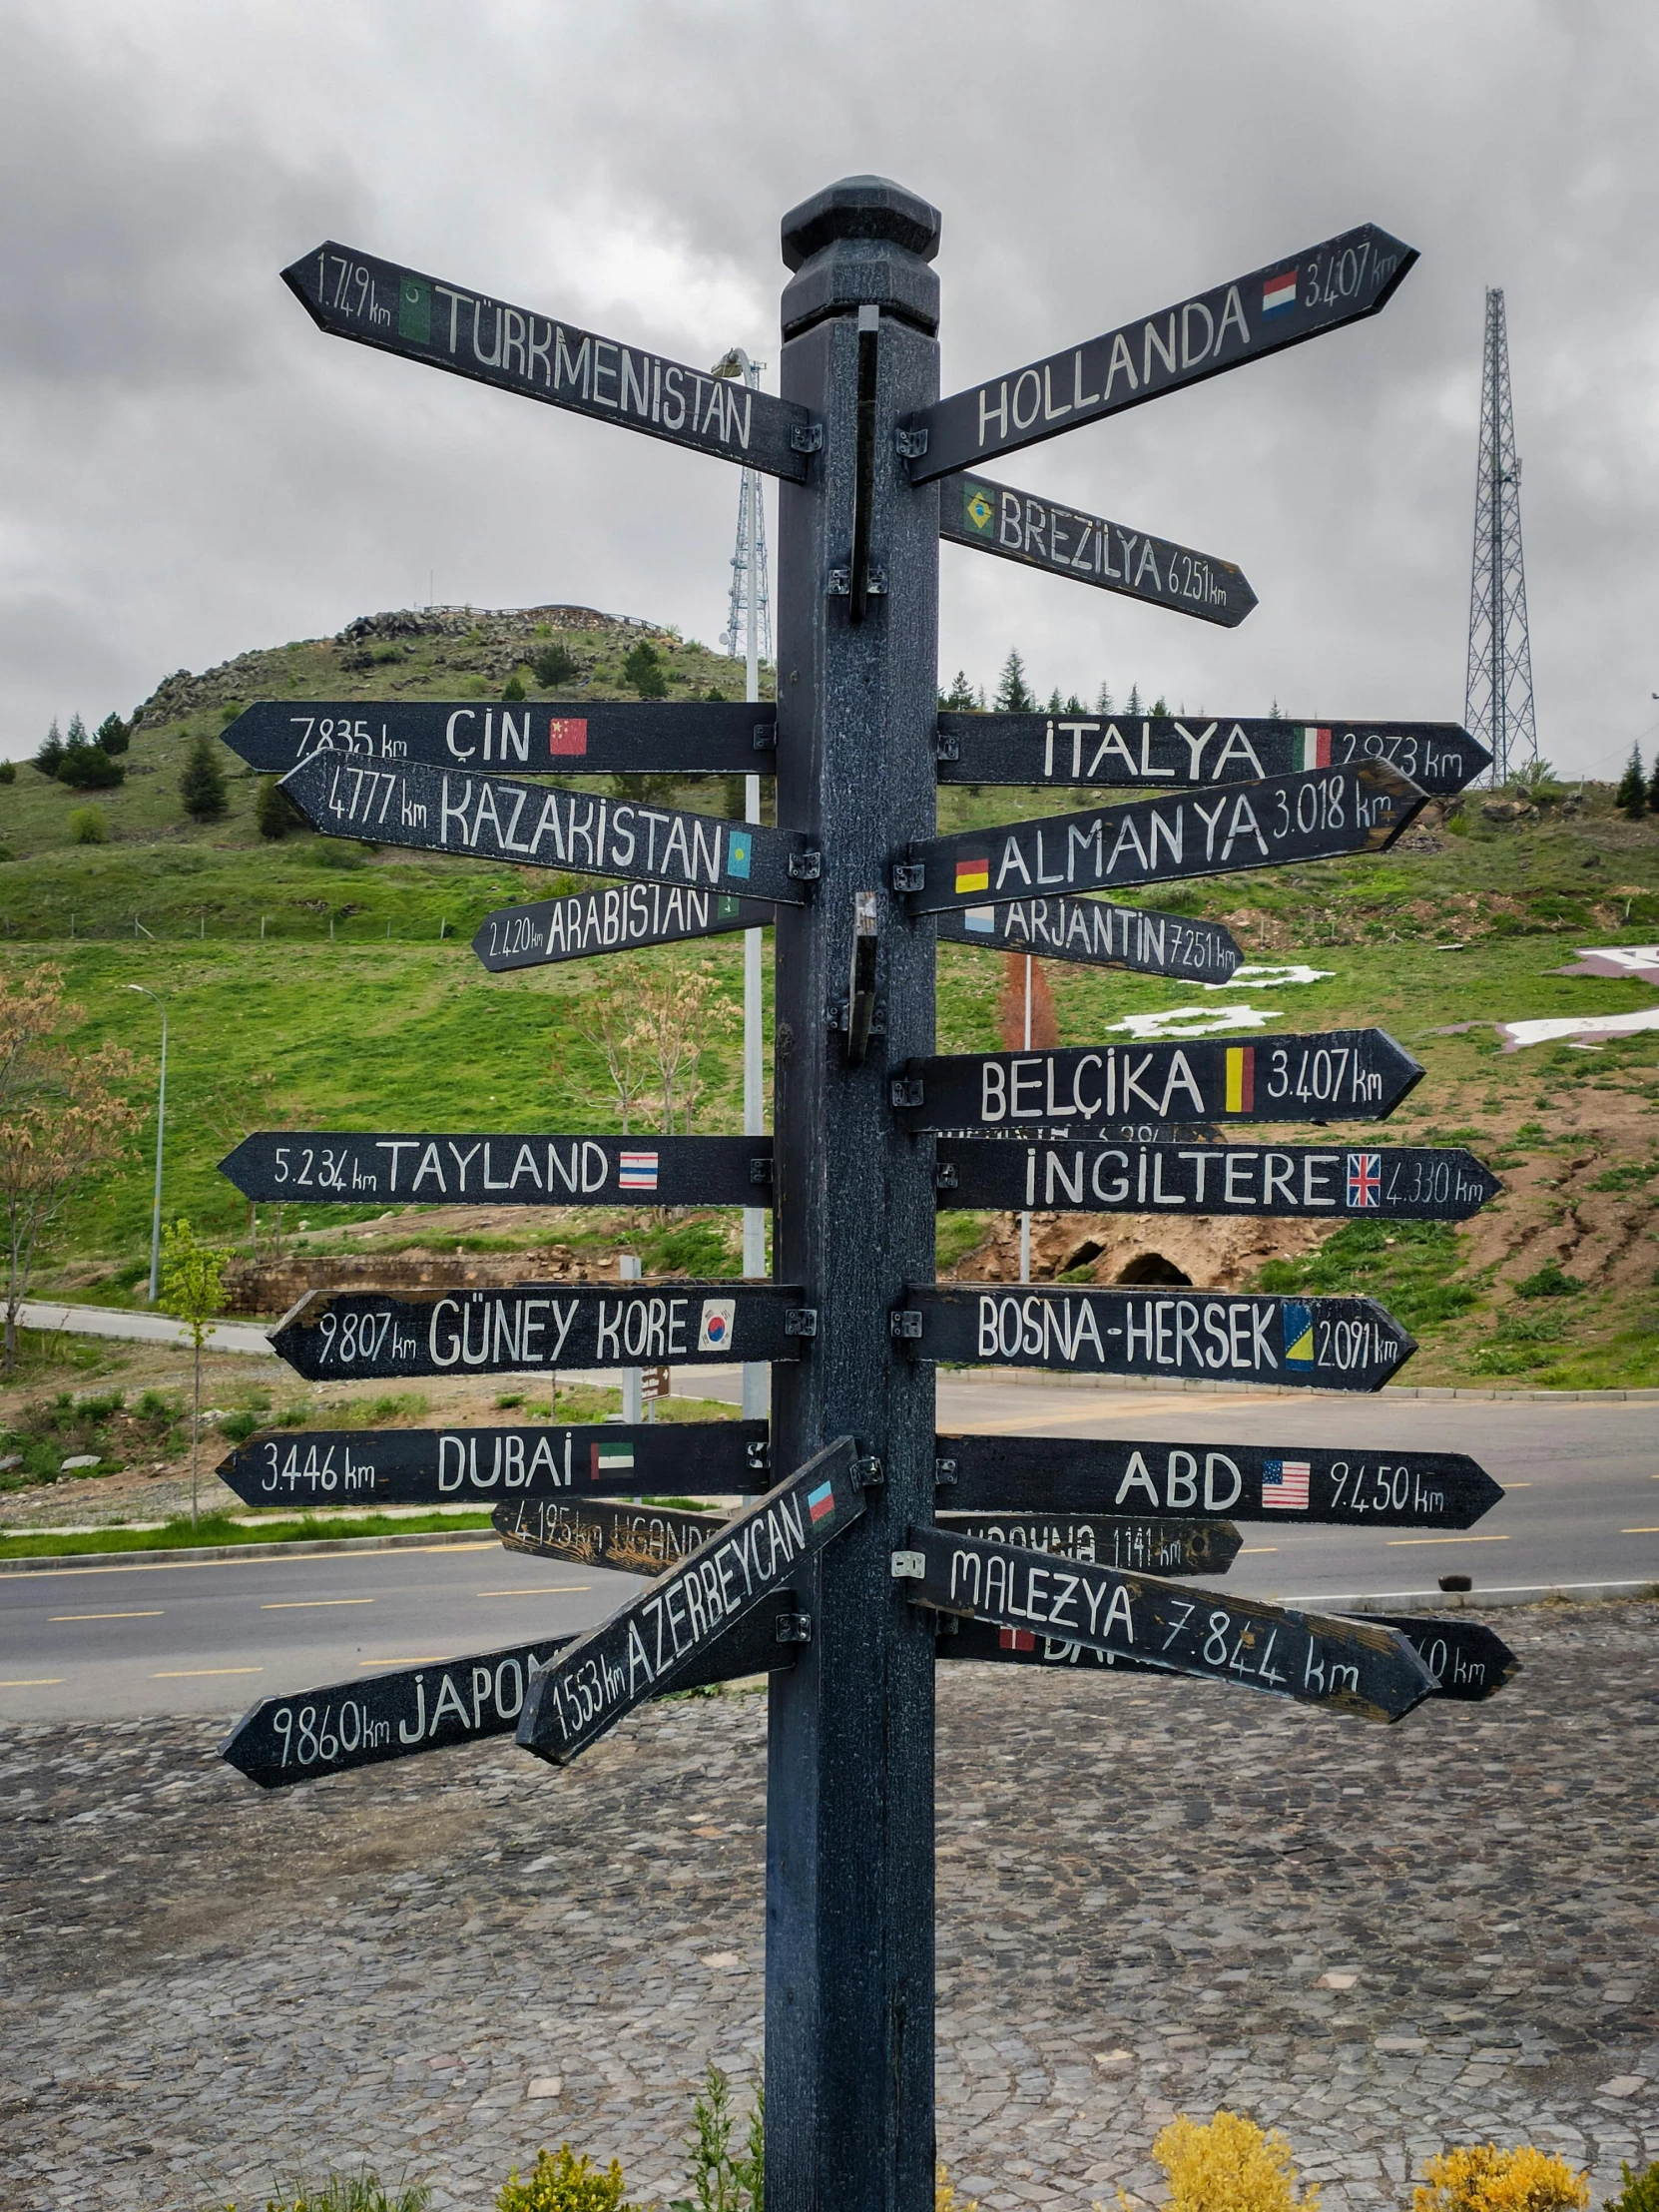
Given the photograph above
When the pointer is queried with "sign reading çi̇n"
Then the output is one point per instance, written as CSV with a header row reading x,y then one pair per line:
x,y
600,736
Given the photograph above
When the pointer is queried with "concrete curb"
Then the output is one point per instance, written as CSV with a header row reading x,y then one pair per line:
x,y
1046,1380
429,1539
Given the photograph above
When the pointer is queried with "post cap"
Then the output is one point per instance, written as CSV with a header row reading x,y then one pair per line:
x,y
862,242
866,207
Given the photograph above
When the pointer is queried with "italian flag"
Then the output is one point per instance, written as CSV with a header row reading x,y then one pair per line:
x,y
1316,748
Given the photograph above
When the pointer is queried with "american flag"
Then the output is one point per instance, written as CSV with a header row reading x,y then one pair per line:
x,y
1285,1485
1365,1178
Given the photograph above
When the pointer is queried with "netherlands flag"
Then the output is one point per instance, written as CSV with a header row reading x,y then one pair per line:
x,y
1278,291
637,1171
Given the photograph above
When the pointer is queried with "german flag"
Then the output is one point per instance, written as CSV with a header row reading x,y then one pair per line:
x,y
974,876
1241,1078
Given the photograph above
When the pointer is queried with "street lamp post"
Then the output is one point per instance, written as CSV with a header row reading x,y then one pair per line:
x,y
161,1125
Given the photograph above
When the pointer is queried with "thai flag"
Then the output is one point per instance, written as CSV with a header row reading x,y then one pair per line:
x,y
637,1171
1278,291
1365,1180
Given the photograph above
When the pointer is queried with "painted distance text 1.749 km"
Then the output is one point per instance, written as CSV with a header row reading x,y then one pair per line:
x,y
609,736
346,1168
1096,935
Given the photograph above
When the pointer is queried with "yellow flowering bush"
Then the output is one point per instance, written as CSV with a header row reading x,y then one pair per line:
x,y
946,2199
1478,2177
562,2182
1227,2164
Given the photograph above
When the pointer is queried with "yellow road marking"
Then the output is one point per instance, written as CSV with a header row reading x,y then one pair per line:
x,y
1639,1531
421,1659
543,1589
1397,1542
269,1560
184,1674
156,1616
303,1604
1255,1551
33,1682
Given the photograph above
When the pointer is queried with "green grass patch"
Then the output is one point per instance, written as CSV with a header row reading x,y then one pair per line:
x,y
219,1529
1406,1264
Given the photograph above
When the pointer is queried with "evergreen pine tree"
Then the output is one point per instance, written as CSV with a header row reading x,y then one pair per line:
x,y
1054,706
113,735
76,739
643,667
50,756
1631,797
274,812
1103,700
1273,714
1653,787
962,697
202,785
1134,706
1012,697
1074,706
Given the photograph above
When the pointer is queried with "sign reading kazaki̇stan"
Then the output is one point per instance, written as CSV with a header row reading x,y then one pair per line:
x,y
431,810
1271,1482
1328,1075
1306,1182
630,1539
421,1466
1324,286
1137,1544
601,737
1314,1658
351,1169
618,917
646,1645
1318,1344
1195,751
352,294
1041,533
1321,814
516,1329
1095,934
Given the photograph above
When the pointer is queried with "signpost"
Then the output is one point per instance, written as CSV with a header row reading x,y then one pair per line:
x,y
596,736
620,919
1095,934
631,1539
1137,1544
344,1167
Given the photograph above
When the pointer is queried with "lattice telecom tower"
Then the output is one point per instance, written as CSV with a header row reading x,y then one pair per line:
x,y
749,616
1498,691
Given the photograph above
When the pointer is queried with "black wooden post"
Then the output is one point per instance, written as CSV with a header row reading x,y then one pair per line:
x,y
850,1849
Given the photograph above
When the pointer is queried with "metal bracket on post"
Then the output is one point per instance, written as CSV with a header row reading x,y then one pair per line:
x,y
945,1475
800,1320
945,1177
868,1474
909,445
910,876
759,1170
944,749
908,1566
808,440
766,737
906,1091
806,868
861,990
905,1322
792,1628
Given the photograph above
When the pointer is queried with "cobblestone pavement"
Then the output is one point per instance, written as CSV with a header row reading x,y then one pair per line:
x,y
1153,1896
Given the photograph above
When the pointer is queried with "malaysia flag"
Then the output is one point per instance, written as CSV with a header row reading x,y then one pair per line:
x,y
1365,1181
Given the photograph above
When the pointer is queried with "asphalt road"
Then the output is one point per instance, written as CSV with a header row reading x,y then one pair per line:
x,y
1582,1480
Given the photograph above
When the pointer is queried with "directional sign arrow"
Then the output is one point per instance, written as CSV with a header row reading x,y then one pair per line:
x,y
1326,1075
632,1539
1041,533
332,1336
1289,1482
364,1723
618,919
1467,1661
1302,296
646,1645
626,737
350,1168
1319,815
1307,1182
1096,935
1357,1668
478,1466
1316,1344
432,809
352,294
1138,1546
1441,757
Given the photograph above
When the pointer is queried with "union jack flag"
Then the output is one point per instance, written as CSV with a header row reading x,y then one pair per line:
x,y
1365,1180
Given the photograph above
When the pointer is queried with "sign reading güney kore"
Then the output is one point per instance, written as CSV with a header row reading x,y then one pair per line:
x,y
1287,301
418,1466
1041,533
646,1645
347,1168
1316,815
625,737
1195,751
1316,1344
1309,1181
1305,1483
357,296
1328,1075
1138,1545
618,917
436,810
332,1335
1096,935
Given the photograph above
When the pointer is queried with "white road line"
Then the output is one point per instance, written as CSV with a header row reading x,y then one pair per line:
x,y
155,1616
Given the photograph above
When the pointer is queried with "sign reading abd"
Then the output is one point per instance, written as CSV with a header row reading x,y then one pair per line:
x,y
347,1168
352,294
620,917
622,737
648,1644
1095,934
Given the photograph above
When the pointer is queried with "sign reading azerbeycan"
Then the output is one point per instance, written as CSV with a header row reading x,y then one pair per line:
x,y
619,918
351,1168
600,736
1096,935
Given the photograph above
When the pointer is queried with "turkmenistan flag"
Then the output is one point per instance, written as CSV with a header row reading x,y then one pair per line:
x,y
414,311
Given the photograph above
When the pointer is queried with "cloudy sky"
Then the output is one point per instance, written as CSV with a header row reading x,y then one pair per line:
x,y
187,469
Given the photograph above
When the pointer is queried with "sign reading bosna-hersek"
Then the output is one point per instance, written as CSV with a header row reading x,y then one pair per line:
x,y
332,1335
1095,934
1137,1544
1317,1343
623,736
421,1466
432,809
630,1539
1041,533
1317,1659
1306,1180
1304,1482
345,1168
618,917
1319,289
1328,1075
352,294
1195,751
1316,815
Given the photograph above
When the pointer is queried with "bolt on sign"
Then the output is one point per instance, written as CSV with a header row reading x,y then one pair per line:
x,y
810,1582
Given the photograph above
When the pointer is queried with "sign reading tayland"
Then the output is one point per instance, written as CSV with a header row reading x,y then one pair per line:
x,y
1272,1482
1310,1182
419,1467
1095,934
632,1539
622,737
647,1645
1318,816
432,809
1329,1075
1195,751
333,1167
1302,296
352,294
1317,1343
1041,533
1139,1545
1368,1670
618,919
333,1334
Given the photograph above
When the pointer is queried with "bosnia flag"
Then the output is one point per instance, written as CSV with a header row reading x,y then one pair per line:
x,y
1298,1332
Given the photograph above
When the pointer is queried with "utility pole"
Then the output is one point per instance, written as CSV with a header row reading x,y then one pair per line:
x,y
1497,689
